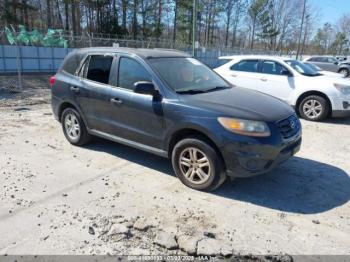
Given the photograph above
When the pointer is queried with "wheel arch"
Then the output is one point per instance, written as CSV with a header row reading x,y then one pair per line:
x,y
64,106
192,132
67,104
311,93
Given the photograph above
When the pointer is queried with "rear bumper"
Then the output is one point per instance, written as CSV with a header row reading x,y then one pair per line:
x,y
255,157
55,103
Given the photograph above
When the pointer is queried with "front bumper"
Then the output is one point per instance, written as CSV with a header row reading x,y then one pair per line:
x,y
341,106
258,156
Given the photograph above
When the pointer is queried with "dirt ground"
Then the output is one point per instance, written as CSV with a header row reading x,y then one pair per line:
x,y
106,198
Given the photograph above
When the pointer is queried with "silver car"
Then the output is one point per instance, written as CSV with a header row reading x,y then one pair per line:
x,y
330,63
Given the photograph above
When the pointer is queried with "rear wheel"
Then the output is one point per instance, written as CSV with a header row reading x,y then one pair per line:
x,y
197,164
314,108
74,128
345,72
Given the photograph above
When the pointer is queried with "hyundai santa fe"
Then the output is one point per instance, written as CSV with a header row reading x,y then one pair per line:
x,y
170,104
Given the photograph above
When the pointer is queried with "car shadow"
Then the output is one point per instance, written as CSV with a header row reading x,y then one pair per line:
x,y
132,154
299,185
338,121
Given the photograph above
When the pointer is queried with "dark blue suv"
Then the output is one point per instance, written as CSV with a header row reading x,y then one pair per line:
x,y
170,104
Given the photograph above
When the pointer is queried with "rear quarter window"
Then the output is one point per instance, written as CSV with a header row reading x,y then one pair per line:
x,y
71,63
246,66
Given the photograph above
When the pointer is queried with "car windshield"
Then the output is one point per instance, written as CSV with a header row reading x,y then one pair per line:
x,y
302,68
314,67
187,75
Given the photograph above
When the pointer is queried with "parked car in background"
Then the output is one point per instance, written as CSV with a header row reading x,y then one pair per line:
x,y
330,63
172,105
323,72
341,58
313,95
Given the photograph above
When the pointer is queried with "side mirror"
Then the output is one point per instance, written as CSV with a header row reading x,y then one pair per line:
x,y
336,63
145,88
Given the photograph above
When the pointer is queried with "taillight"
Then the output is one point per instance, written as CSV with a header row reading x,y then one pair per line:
x,y
52,80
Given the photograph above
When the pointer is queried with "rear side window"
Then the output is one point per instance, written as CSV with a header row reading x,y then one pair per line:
x,y
99,68
246,66
71,64
130,72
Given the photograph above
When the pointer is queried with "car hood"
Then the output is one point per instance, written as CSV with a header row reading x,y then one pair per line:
x,y
329,79
241,103
331,74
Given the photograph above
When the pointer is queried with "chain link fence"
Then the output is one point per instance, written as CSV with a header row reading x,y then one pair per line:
x,y
26,56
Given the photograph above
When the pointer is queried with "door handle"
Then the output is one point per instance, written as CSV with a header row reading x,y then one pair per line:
x,y
74,89
263,79
116,101
234,75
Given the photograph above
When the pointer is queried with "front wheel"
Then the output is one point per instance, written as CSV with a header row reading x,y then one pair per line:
x,y
197,164
314,108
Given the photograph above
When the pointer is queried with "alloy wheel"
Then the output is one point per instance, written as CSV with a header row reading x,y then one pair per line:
x,y
312,108
194,165
344,72
72,126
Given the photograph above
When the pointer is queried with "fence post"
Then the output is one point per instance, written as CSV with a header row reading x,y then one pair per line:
x,y
4,57
19,67
39,60
52,59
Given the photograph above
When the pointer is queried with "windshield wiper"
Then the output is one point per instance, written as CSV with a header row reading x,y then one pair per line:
x,y
198,91
216,88
191,91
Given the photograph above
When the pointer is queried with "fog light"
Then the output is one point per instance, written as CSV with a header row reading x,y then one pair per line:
x,y
254,164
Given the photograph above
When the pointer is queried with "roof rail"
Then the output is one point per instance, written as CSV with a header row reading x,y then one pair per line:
x,y
169,49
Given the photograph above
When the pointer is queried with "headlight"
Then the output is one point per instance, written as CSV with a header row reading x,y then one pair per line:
x,y
245,127
345,89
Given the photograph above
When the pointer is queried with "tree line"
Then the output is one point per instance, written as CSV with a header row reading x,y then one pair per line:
x,y
276,25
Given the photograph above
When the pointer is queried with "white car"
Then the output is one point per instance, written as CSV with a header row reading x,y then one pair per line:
x,y
313,95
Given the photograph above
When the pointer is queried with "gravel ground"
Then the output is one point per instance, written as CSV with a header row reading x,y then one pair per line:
x,y
106,198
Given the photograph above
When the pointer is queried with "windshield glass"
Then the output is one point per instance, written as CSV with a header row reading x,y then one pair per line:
x,y
312,66
185,74
302,68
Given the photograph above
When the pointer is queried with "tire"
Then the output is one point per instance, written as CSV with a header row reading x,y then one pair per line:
x,y
213,167
345,72
77,136
314,108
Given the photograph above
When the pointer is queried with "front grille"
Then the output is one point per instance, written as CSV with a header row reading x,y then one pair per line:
x,y
289,126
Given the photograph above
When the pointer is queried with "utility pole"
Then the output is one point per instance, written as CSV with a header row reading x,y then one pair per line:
x,y
301,30
194,27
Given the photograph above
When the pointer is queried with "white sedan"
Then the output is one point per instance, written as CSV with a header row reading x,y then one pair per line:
x,y
313,95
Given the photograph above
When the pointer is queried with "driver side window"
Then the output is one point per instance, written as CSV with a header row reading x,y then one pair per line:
x,y
272,68
130,72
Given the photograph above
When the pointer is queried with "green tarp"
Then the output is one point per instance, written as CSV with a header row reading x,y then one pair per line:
x,y
53,37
